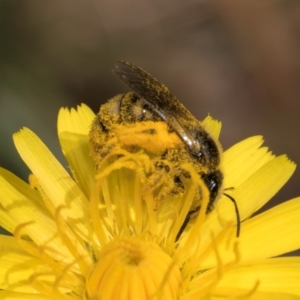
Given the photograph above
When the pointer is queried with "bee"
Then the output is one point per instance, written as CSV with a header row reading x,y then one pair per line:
x,y
150,103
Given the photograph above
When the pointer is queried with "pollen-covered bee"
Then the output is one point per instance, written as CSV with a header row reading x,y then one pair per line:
x,y
136,119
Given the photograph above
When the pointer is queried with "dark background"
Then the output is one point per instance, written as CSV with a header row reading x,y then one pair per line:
x,y
237,60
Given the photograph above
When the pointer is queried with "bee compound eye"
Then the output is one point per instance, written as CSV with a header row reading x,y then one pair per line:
x,y
213,181
212,186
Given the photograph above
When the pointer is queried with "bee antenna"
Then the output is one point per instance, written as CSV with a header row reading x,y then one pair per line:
x,y
238,218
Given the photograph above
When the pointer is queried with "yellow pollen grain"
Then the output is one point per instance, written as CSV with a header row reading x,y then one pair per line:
x,y
143,135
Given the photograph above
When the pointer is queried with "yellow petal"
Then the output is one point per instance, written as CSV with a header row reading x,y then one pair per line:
x,y
9,243
7,222
78,121
57,184
16,269
272,233
212,126
73,128
13,188
244,159
263,185
20,270
250,196
275,275
23,205
8,295
250,295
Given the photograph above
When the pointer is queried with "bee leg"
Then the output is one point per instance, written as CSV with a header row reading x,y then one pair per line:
x,y
158,177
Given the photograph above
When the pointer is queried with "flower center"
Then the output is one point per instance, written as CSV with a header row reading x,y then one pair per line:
x,y
132,268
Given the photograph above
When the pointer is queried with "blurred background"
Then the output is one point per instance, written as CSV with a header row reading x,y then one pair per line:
x,y
237,60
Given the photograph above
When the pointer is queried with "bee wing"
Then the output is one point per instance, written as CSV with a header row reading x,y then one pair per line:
x,y
160,101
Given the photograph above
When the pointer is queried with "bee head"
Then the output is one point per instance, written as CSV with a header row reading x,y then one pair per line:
x,y
213,181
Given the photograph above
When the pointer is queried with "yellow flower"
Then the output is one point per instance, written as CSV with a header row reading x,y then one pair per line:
x,y
81,235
